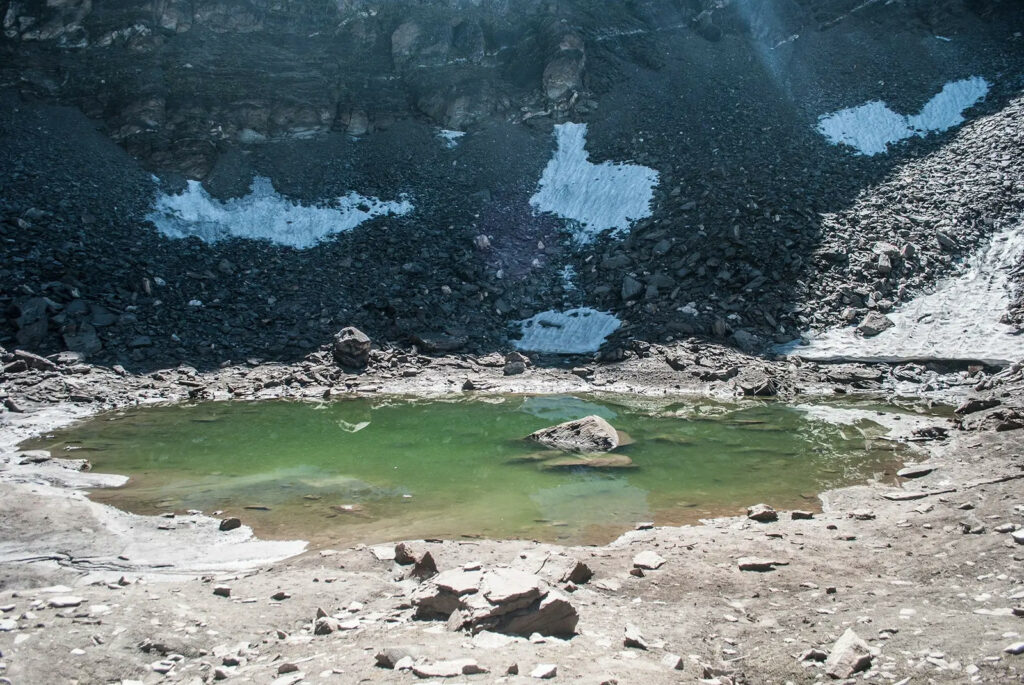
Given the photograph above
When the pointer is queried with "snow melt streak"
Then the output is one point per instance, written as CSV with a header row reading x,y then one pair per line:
x,y
263,214
574,331
872,127
599,197
960,320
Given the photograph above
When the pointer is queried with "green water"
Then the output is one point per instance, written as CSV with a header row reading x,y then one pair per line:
x,y
372,470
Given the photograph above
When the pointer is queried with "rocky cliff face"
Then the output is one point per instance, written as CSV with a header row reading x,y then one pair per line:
x,y
758,228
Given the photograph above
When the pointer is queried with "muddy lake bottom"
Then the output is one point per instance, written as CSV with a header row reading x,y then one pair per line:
x,y
391,468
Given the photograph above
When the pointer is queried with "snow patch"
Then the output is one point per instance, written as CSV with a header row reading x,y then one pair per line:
x,y
450,138
574,331
264,214
873,126
597,197
959,321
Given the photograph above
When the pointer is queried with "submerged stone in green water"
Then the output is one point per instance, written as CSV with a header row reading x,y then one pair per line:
x,y
392,468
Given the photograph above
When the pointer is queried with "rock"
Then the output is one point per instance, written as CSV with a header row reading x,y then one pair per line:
x,y
849,655
64,601
756,383
801,515
514,368
673,661
648,560
7,625
762,513
576,572
1015,648
448,669
633,638
975,405
439,342
423,565
325,625
759,564
287,667
631,288
589,434
34,361
544,671
351,348
814,655
873,324
915,470
500,600
222,590
390,656
862,514
230,523
1018,536
280,596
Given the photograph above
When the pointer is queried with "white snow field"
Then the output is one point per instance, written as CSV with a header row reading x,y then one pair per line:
x,y
958,321
574,331
873,126
597,197
264,214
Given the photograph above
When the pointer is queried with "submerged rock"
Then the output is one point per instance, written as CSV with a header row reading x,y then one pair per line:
x,y
589,434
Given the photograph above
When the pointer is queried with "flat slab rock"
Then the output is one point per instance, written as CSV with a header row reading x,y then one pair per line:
x,y
587,435
447,669
501,600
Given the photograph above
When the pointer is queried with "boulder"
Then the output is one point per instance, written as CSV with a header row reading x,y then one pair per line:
x,y
351,348
762,513
873,324
589,434
500,600
849,655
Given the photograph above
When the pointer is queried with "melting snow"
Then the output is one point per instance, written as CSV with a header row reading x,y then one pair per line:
x,y
960,320
264,214
450,138
598,197
872,127
574,331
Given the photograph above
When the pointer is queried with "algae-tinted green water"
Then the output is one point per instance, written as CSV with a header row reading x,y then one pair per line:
x,y
382,469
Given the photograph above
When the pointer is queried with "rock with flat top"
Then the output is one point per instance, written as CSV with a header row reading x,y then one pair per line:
x,y
587,435
849,655
544,671
758,564
633,638
648,560
501,600
65,601
448,669
762,513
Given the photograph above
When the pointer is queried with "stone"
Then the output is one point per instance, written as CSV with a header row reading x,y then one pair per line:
x,y
631,288
448,669
762,513
648,560
1018,536
64,601
673,661
576,572
514,368
633,638
351,348
916,470
759,564
873,324
814,654
801,515
230,523
862,514
974,405
1015,648
544,671
589,434
499,600
222,590
7,625
849,655
390,656
325,625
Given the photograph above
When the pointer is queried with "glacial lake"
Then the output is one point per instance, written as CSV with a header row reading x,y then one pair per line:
x,y
391,468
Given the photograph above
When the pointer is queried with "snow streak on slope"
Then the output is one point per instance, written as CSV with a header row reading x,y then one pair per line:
x,y
872,127
598,197
264,214
960,320
574,331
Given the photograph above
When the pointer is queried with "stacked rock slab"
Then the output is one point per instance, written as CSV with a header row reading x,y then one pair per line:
x,y
501,600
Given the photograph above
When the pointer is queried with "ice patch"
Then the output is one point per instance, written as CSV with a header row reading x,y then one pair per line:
x,y
598,197
960,320
574,331
264,214
450,138
872,127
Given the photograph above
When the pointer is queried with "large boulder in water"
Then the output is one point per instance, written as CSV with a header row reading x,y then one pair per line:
x,y
589,434
351,348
